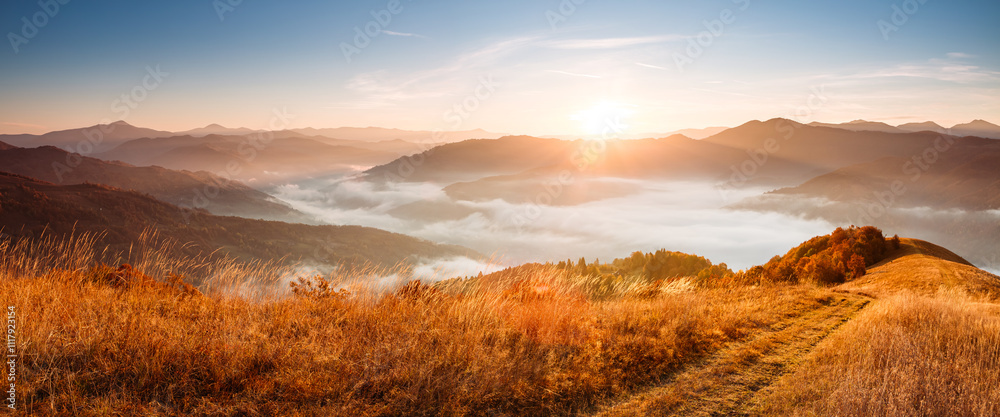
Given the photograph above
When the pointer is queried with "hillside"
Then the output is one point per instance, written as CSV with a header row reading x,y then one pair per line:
x,y
255,159
798,152
923,126
535,159
964,177
979,128
829,148
101,137
181,188
861,126
548,340
29,207
927,269
376,134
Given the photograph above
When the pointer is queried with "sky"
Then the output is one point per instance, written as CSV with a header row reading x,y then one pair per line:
x,y
518,66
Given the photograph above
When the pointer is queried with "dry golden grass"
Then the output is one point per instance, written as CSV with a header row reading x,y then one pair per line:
x,y
908,355
532,346
924,268
930,346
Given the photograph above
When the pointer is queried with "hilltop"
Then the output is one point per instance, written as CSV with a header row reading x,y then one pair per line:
x,y
924,268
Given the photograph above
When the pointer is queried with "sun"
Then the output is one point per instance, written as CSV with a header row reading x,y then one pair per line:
x,y
604,119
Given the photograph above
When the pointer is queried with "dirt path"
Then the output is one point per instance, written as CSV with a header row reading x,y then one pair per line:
x,y
727,383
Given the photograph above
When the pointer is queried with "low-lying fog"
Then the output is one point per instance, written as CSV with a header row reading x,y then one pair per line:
x,y
685,217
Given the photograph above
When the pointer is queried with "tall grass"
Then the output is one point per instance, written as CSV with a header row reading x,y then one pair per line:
x,y
535,343
907,356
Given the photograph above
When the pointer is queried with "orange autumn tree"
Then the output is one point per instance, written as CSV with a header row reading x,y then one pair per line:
x,y
835,258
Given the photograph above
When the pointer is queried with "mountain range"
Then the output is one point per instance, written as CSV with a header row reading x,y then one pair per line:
x,y
30,207
199,189
980,128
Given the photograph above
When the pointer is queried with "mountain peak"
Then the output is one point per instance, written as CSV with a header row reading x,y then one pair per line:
x,y
120,123
981,122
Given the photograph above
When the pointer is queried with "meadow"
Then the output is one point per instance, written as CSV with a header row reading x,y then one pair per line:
x,y
142,340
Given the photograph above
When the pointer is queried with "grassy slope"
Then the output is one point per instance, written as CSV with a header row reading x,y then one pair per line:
x,y
930,345
924,268
526,345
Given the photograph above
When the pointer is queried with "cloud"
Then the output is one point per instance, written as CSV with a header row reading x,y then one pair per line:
x,y
948,69
381,89
15,124
687,217
573,74
650,66
389,32
453,268
609,43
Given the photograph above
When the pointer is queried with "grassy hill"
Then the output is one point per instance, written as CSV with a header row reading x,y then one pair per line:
x,y
924,268
528,341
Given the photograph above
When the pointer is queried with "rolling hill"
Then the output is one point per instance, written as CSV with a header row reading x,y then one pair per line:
x,y
795,153
256,159
924,268
182,188
924,126
30,207
979,128
965,177
861,126
102,137
376,134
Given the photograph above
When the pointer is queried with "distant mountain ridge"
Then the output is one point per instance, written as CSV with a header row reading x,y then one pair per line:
x,y
979,128
802,152
182,188
91,139
256,159
375,134
29,207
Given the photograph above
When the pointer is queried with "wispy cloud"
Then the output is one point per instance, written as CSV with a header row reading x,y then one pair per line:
x,y
573,74
380,89
16,124
609,43
650,66
389,32
952,68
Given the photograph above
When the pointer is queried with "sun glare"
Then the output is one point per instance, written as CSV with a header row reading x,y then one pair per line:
x,y
604,119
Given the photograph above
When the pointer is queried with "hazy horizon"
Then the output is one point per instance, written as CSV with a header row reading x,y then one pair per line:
x,y
524,67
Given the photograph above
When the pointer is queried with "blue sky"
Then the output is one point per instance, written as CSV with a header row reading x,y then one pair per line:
x,y
600,60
